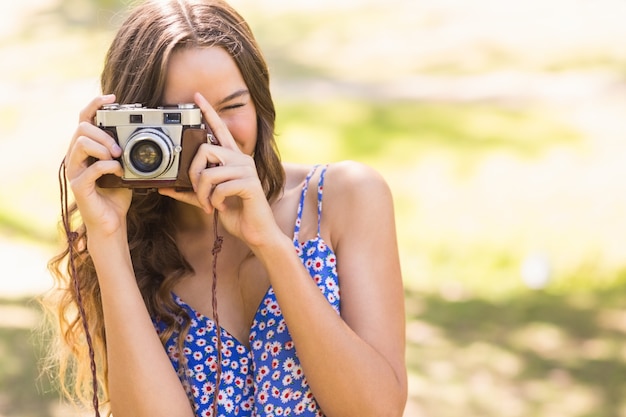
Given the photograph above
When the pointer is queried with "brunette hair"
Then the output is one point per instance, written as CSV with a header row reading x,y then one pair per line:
x,y
135,70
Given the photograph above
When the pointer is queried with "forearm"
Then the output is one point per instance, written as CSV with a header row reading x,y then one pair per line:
x,y
141,379
348,375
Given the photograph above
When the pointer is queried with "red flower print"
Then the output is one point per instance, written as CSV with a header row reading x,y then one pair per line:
x,y
275,348
208,388
289,364
318,264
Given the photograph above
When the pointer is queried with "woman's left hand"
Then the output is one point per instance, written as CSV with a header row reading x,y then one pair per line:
x,y
232,187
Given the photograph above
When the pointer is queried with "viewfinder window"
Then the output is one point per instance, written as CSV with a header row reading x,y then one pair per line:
x,y
171,118
136,118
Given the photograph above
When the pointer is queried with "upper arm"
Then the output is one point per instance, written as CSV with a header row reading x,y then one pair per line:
x,y
359,219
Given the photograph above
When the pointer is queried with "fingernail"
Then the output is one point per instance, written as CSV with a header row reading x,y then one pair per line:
x,y
116,149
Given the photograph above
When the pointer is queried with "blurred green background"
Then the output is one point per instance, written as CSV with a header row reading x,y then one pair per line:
x,y
499,126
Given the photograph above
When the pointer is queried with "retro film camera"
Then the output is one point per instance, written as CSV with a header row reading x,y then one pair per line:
x,y
157,144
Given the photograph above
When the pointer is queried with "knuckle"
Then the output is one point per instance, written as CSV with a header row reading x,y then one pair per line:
x,y
84,125
204,148
85,115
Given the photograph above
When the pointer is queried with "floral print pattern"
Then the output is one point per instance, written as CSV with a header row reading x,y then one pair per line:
x,y
265,379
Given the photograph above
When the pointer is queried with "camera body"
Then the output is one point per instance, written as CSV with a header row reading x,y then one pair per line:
x,y
157,144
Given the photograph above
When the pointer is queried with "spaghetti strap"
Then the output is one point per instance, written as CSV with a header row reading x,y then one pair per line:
x,y
320,192
305,189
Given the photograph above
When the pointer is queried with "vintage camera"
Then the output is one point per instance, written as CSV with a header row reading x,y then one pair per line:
x,y
157,144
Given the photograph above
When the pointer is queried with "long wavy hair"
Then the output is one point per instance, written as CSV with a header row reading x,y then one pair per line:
x,y
135,70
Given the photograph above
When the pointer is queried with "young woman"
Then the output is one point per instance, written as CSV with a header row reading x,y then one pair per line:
x,y
309,292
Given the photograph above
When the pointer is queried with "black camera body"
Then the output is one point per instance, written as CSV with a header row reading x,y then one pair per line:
x,y
157,144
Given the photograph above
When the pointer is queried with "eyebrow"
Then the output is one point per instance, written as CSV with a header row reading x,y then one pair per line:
x,y
233,96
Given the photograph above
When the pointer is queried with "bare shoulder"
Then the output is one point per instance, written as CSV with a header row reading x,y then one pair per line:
x,y
356,196
355,182
295,174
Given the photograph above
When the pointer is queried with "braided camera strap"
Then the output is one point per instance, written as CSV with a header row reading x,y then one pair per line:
x,y
71,244
217,247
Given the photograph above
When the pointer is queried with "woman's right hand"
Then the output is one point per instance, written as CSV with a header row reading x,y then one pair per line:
x,y
103,210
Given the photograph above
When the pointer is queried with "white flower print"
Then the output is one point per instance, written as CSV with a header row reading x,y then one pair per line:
x,y
297,372
318,264
228,377
274,308
208,388
289,364
300,408
274,348
262,397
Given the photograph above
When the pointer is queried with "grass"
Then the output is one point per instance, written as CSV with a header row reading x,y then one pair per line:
x,y
531,354
22,391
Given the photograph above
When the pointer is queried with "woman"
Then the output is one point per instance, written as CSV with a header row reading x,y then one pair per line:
x,y
287,267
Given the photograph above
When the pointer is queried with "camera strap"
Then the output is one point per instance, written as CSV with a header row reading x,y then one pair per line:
x,y
72,241
217,247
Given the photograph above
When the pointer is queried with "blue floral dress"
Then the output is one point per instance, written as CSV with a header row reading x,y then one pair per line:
x,y
265,379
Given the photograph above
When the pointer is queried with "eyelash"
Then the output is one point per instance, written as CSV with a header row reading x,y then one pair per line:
x,y
234,106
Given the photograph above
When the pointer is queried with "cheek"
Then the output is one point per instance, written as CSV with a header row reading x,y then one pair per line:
x,y
244,131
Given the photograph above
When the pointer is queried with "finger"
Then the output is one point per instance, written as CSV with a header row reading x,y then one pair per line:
x,y
90,141
205,156
102,137
188,197
235,188
83,149
89,113
87,128
241,165
219,128
88,176
212,177
208,179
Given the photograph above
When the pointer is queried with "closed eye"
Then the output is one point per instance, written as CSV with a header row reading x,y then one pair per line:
x,y
234,106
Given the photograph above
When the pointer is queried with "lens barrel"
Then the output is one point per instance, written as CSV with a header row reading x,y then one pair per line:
x,y
148,153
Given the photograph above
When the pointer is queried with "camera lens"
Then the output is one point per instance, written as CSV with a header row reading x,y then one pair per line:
x,y
146,156
148,153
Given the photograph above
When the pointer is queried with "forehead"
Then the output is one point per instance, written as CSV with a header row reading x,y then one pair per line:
x,y
212,71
